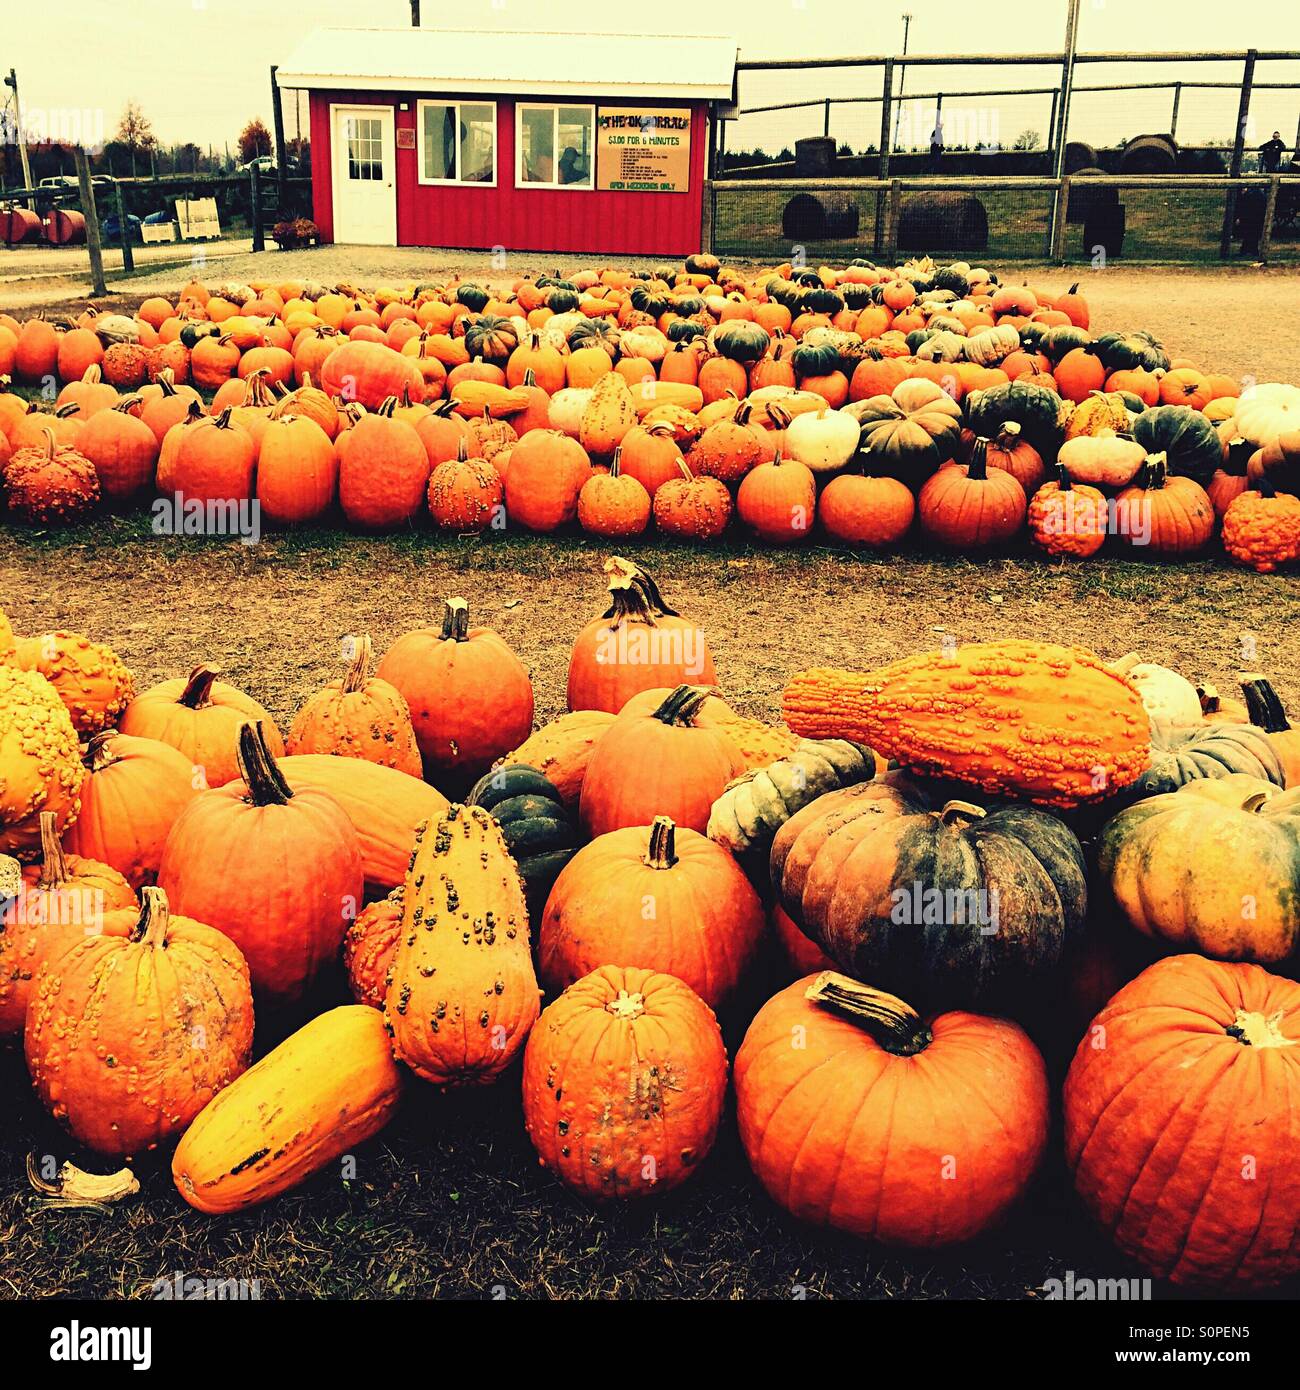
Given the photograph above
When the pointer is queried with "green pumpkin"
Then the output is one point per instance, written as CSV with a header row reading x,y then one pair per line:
x,y
741,340
652,302
905,444
1032,335
538,829
1123,351
858,296
684,330
918,337
953,280
1189,442
473,297
1034,408
815,359
594,333
945,901
1059,339
1182,755
754,807
562,300
820,300
688,304
702,263
192,333
491,337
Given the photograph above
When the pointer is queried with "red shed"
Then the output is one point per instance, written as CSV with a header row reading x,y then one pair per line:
x,y
522,141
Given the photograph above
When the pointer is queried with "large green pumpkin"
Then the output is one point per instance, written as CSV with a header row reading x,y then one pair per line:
x,y
1060,339
741,340
594,333
1034,408
491,337
1123,351
908,444
474,297
1182,755
948,902
1189,442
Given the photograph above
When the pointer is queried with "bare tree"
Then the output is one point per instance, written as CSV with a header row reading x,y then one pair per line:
x,y
135,132
1028,139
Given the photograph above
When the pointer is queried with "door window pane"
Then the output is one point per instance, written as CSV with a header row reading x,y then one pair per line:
x,y
574,143
537,144
476,135
439,142
365,148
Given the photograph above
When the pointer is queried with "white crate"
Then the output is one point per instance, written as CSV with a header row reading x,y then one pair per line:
x,y
157,231
198,218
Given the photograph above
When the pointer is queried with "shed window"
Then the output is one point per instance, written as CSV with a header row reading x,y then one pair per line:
x,y
457,142
556,146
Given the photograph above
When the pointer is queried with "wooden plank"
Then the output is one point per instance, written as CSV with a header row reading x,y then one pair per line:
x,y
947,60
1057,252
123,231
1238,147
1270,211
93,244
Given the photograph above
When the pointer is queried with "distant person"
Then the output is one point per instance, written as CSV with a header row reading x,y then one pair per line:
x,y
936,146
1270,154
572,169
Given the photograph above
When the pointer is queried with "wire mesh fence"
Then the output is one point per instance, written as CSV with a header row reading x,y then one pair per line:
x,y
1086,219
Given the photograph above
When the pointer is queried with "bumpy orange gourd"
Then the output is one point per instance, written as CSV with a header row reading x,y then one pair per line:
x,y
60,901
90,677
906,1131
1181,1126
1031,719
327,1088
358,716
463,994
113,1027
561,750
609,415
624,1081
368,948
1262,530
40,763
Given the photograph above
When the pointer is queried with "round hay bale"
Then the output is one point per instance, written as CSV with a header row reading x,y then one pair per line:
x,y
1104,227
1084,199
1080,158
1149,154
813,156
820,217
943,221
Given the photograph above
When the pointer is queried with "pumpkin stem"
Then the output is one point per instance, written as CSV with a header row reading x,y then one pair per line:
x,y
661,851
1155,470
54,865
634,596
198,688
97,757
628,1006
682,705
953,809
896,1026
1262,703
1009,434
128,403
1209,698
72,408
358,672
616,463
977,470
222,421
1253,1029
1063,480
155,917
264,780
530,378
387,406
455,620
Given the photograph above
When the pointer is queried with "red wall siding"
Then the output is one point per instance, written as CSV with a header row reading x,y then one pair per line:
x,y
519,219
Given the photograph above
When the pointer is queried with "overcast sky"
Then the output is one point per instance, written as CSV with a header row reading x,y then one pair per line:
x,y
200,68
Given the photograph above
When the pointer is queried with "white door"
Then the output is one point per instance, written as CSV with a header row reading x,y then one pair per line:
x,y
365,189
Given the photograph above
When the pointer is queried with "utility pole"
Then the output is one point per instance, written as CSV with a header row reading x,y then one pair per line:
x,y
902,80
415,14
20,135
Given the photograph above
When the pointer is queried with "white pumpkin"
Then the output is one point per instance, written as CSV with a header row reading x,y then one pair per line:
x,y
916,392
823,441
790,398
1102,460
1167,697
991,345
645,341
1266,411
945,346
567,409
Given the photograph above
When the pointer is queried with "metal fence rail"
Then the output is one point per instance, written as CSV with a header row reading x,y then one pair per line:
x,y
1073,220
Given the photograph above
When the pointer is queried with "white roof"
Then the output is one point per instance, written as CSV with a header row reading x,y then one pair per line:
x,y
695,66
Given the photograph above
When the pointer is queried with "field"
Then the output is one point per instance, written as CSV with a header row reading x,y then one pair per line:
x,y
450,1201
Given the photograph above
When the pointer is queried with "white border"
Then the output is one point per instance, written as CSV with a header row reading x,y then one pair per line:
x,y
364,108
531,184
419,143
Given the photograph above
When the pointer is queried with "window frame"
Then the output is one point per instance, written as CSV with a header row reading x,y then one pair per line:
x,y
420,142
525,185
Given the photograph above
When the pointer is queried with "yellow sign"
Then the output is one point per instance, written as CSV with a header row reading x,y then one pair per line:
x,y
643,149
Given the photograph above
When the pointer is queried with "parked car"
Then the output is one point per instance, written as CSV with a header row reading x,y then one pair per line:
x,y
265,165
112,228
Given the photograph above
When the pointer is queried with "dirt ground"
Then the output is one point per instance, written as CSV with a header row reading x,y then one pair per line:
x,y
450,1202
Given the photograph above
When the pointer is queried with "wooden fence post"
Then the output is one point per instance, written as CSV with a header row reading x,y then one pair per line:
x,y
1238,147
123,231
886,141
255,184
1270,211
1057,252
281,155
891,223
93,245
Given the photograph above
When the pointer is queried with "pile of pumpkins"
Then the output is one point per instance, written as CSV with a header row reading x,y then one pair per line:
x,y
859,404
945,848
